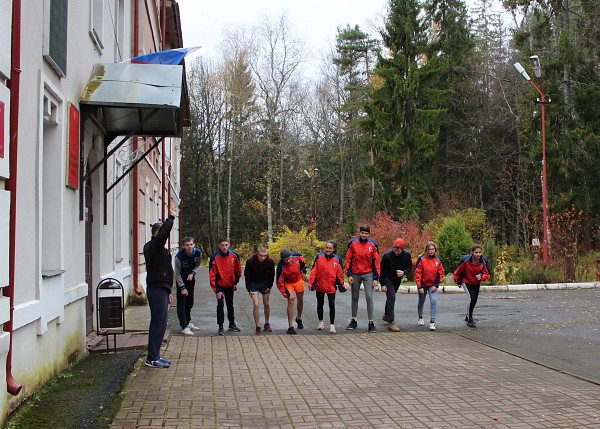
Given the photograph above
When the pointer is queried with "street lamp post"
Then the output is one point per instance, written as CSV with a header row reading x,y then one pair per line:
x,y
537,71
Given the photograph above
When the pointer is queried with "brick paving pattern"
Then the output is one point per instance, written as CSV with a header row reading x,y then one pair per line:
x,y
406,380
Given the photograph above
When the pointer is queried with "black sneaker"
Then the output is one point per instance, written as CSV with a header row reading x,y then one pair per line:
x,y
385,318
267,327
471,324
221,332
352,325
466,318
299,322
372,327
291,331
233,327
258,330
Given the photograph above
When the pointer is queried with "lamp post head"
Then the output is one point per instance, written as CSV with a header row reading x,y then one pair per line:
x,y
522,71
316,172
534,60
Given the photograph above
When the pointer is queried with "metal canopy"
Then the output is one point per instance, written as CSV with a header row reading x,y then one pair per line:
x,y
125,99
121,96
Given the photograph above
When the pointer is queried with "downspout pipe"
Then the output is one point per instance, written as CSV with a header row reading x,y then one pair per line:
x,y
135,183
163,46
14,85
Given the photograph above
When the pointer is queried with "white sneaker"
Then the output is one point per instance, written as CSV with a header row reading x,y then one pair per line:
x,y
432,326
421,322
193,327
332,329
320,326
187,331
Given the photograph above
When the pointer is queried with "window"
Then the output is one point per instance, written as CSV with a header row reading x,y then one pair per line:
x,y
55,34
97,22
52,180
155,203
148,221
120,31
118,213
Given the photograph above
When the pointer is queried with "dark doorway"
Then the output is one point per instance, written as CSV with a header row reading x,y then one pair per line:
x,y
89,218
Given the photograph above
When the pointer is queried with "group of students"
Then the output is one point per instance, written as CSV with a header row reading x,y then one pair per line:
x,y
364,267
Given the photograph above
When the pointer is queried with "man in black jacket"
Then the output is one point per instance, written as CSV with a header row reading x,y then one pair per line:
x,y
395,263
159,280
259,273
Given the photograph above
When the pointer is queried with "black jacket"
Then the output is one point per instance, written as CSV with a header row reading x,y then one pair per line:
x,y
159,270
390,263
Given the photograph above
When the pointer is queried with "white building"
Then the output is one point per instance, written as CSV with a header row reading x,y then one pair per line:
x,y
54,251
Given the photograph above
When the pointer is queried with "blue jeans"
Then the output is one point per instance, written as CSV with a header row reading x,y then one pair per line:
x,y
433,298
367,281
158,300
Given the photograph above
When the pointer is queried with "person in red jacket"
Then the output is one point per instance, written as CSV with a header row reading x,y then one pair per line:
x,y
469,274
225,271
429,273
325,277
291,274
362,266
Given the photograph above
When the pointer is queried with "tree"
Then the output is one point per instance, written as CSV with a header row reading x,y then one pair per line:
x,y
403,113
275,66
354,52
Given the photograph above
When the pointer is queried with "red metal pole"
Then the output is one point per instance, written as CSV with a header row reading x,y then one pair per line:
x,y
314,180
544,182
546,232
134,182
12,386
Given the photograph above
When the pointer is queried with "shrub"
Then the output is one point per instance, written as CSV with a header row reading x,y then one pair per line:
x,y
453,242
527,273
505,258
385,230
244,249
475,224
303,241
585,270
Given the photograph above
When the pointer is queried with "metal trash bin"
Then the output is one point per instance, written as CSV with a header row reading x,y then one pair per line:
x,y
110,310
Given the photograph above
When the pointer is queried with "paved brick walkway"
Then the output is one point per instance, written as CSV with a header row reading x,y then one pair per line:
x,y
358,380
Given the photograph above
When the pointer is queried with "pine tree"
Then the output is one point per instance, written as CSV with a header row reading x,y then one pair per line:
x,y
404,111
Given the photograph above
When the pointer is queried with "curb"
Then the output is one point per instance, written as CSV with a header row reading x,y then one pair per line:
x,y
505,288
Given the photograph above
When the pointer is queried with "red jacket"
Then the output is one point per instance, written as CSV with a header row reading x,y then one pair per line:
x,y
225,270
363,258
429,272
327,274
291,273
466,272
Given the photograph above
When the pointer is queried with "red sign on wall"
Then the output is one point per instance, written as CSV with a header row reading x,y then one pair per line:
x,y
1,129
73,148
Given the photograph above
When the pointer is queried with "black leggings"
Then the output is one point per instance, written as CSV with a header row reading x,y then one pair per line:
x,y
472,294
321,301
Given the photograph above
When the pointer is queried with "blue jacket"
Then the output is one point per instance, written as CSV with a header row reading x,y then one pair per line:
x,y
185,265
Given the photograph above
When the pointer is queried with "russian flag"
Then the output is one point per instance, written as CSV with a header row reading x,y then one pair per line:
x,y
168,57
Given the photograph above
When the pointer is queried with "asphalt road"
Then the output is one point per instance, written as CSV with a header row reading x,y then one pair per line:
x,y
559,329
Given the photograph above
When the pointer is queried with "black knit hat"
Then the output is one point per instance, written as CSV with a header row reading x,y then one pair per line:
x,y
285,253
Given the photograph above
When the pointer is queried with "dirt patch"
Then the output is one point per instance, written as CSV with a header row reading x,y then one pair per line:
x,y
86,396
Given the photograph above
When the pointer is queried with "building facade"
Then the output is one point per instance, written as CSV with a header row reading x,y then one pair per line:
x,y
60,235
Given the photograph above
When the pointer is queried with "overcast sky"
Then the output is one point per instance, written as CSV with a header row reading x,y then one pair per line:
x,y
314,21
